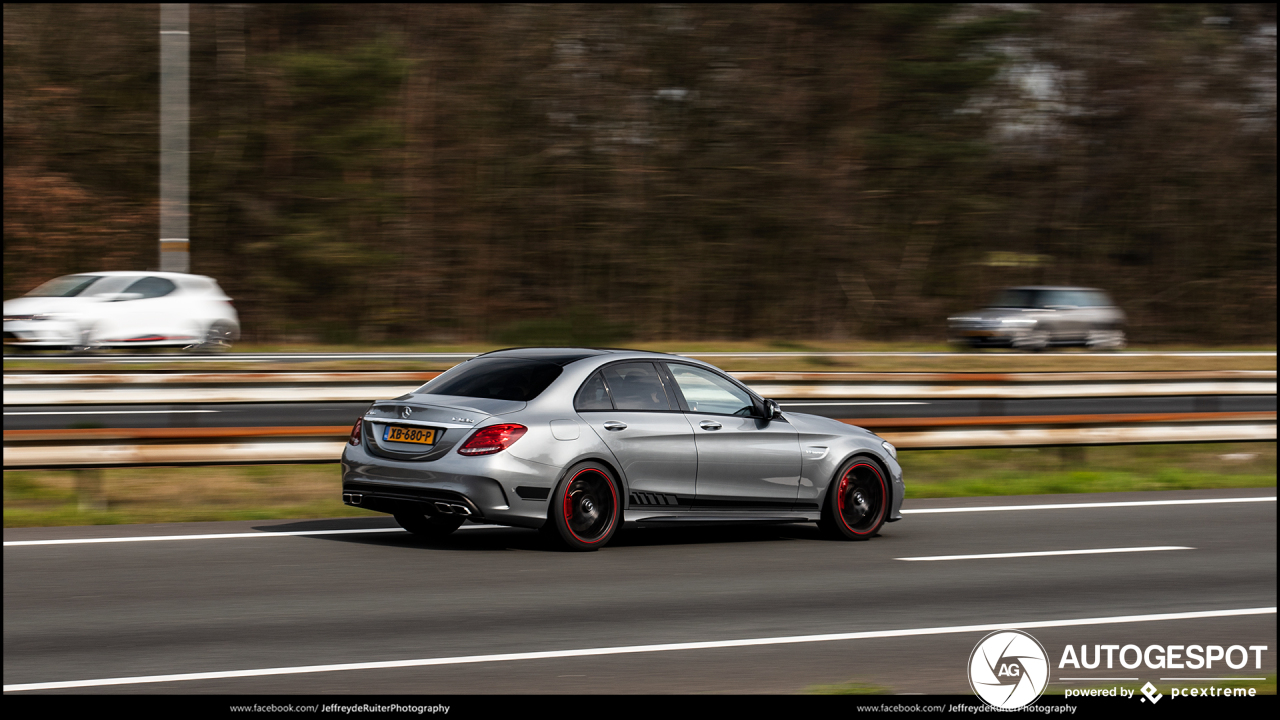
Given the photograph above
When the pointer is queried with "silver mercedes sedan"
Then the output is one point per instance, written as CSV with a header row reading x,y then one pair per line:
x,y
577,442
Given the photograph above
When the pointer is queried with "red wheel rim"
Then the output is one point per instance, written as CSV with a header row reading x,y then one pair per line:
x,y
589,506
861,498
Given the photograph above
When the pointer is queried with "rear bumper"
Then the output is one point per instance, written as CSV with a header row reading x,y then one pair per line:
x,y
485,487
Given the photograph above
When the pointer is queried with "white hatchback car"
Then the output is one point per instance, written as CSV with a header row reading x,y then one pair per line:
x,y
122,309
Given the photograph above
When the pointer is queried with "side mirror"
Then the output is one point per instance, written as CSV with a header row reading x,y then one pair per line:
x,y
772,411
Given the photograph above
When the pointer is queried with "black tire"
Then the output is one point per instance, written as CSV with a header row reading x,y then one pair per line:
x,y
434,527
1034,341
857,502
1105,340
85,346
216,339
586,508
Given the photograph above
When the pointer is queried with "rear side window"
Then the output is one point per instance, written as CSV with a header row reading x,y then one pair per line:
x,y
151,287
636,386
593,395
495,379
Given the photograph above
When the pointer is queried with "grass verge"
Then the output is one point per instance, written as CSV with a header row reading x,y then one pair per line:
x,y
118,496
849,688
34,498
1075,469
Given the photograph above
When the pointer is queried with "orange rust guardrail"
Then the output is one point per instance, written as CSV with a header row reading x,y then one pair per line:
x,y
125,447
146,388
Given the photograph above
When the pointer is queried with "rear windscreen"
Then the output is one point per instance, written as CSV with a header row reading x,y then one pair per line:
x,y
495,379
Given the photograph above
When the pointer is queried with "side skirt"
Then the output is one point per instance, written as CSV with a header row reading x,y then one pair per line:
x,y
647,518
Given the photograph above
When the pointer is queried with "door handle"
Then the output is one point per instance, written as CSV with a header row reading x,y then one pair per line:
x,y
709,425
615,425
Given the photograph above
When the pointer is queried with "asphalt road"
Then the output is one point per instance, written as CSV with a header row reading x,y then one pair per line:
x,y
43,417
92,611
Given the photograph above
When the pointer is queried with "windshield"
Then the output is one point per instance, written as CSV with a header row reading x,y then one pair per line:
x,y
66,286
82,286
495,379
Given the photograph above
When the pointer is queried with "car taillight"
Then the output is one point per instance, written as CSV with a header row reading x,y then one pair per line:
x,y
492,439
355,432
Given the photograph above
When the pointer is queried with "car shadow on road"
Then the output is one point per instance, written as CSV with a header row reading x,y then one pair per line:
x,y
492,538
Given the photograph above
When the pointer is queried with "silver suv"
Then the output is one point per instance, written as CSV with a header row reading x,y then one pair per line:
x,y
1036,317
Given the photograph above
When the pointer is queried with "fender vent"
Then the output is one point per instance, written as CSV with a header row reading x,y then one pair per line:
x,y
532,493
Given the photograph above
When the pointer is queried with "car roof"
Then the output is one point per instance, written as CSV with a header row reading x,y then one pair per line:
x,y
564,355
144,273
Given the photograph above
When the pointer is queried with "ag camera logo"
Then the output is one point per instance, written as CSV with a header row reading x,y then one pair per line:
x,y
1008,669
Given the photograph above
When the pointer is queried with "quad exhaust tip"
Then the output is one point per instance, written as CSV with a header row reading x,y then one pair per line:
x,y
352,498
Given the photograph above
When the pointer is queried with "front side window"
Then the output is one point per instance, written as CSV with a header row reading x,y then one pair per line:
x,y
1059,299
495,379
707,392
1093,298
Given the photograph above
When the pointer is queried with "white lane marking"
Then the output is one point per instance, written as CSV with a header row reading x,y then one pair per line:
x,y
111,412
219,536
1046,553
992,508
1073,506
631,649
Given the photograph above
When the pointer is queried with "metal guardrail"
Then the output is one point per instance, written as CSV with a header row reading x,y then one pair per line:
x,y
192,446
145,388
106,447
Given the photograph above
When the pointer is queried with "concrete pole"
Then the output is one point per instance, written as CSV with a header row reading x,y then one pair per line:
x,y
174,130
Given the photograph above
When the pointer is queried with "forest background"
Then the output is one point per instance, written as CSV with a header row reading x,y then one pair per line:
x,y
530,174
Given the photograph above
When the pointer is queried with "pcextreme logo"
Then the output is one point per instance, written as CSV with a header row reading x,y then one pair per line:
x,y
1008,669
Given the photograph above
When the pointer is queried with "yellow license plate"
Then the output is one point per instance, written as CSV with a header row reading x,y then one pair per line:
x,y
421,436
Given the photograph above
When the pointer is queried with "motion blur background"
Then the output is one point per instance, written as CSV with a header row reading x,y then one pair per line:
x,y
530,174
